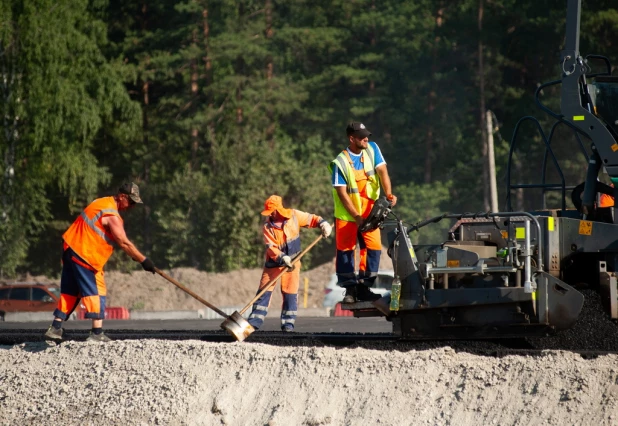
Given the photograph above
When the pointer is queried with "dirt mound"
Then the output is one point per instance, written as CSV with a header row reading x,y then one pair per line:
x,y
200,383
141,290
144,291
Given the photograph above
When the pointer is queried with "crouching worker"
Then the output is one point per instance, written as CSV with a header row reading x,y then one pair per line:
x,y
87,247
281,233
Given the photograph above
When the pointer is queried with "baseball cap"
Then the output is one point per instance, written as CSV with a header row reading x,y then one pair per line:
x,y
274,203
357,129
132,190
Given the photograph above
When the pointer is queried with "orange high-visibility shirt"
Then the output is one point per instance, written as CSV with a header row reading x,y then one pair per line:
x,y
88,237
606,201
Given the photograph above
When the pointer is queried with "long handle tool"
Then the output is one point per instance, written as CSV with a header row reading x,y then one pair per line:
x,y
232,322
238,326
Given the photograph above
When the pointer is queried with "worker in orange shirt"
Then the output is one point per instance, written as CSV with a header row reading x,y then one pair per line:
x,y
356,175
281,233
606,200
87,247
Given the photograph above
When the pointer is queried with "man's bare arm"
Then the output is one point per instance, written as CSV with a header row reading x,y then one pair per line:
x,y
347,203
116,228
386,182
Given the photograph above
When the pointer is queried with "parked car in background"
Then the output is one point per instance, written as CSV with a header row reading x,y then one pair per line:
x,y
333,293
28,297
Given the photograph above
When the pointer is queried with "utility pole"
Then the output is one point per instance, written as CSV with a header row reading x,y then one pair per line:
x,y
493,188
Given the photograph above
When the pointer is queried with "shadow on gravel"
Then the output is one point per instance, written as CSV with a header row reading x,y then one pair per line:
x,y
32,346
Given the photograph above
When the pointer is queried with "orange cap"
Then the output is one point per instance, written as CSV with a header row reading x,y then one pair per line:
x,y
274,203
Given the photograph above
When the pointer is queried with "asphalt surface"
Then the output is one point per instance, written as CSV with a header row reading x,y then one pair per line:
x,y
338,330
303,325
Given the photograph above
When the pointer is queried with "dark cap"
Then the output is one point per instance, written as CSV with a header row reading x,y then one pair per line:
x,y
357,130
132,190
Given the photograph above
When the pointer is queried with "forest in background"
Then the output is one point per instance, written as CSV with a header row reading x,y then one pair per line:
x,y
213,105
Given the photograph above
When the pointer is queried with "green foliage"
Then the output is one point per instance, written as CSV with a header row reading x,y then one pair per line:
x,y
417,202
137,306
59,94
211,106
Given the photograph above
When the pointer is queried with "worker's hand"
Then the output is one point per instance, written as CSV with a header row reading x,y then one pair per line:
x,y
392,199
326,229
148,265
287,261
359,220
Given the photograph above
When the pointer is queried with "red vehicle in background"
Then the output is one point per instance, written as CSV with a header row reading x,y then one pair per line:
x,y
28,297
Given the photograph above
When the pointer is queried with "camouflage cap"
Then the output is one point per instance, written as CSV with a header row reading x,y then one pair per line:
x,y
132,190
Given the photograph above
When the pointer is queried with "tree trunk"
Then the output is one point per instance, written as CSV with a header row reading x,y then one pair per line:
x,y
431,103
268,33
146,231
372,43
482,110
146,211
239,70
207,59
195,143
209,137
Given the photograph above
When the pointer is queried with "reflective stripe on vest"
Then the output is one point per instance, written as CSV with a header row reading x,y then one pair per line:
x,y
91,224
291,246
87,237
345,168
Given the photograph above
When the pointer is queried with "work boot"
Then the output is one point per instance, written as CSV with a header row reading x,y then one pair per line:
x,y
365,295
287,329
98,338
54,334
350,295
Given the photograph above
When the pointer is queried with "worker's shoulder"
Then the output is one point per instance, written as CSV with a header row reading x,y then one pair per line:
x,y
104,205
103,200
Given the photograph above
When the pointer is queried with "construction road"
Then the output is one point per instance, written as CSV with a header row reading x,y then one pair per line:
x,y
154,328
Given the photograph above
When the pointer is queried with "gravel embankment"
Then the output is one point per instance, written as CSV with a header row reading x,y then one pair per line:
x,y
201,383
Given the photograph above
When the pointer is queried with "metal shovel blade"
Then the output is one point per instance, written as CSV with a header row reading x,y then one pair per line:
x,y
237,326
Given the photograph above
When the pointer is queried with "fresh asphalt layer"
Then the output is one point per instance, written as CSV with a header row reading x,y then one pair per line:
x,y
303,325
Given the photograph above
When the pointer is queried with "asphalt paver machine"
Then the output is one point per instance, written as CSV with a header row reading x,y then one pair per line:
x,y
507,274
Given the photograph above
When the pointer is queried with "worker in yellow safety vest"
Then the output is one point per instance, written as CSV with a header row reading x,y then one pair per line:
x,y
356,176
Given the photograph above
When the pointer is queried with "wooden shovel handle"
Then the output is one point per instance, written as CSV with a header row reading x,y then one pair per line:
x,y
272,282
189,292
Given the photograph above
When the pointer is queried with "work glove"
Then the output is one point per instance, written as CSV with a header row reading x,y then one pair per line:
x,y
326,229
148,265
359,220
287,261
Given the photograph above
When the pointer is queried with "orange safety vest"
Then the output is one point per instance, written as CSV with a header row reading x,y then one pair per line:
x,y
88,238
361,182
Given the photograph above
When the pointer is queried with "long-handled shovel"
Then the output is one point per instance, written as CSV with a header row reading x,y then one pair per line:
x,y
236,319
238,327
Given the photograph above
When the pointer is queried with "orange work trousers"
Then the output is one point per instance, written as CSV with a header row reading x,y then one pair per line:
x,y
289,290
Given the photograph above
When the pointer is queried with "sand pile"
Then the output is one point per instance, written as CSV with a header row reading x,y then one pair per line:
x,y
200,383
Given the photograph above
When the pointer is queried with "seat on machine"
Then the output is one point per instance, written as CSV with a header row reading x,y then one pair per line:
x,y
604,96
